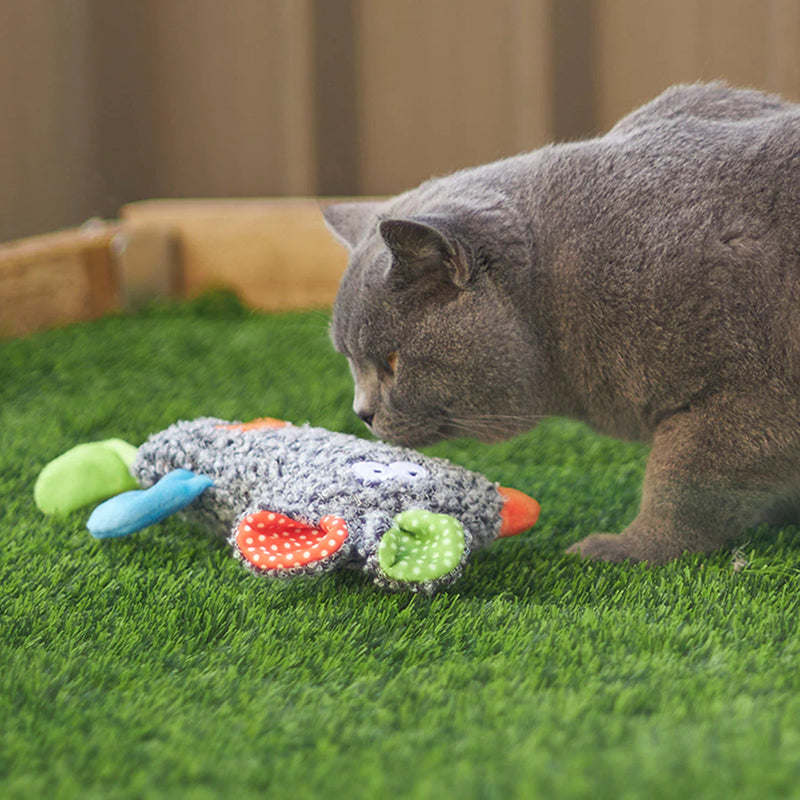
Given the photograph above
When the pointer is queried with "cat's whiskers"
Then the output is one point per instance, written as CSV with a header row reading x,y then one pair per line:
x,y
492,425
499,418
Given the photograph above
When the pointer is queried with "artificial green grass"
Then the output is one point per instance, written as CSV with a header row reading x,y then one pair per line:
x,y
156,666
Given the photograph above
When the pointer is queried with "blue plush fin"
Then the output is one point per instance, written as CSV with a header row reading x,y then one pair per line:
x,y
131,511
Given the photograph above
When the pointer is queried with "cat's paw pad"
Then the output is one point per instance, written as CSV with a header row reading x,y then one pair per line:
x,y
421,546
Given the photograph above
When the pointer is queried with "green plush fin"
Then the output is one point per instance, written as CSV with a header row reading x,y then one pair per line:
x,y
127,452
421,546
86,474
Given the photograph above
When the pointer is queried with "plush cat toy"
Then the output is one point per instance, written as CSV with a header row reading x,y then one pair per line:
x,y
295,500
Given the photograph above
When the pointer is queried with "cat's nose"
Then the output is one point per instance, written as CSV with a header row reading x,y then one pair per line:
x,y
367,416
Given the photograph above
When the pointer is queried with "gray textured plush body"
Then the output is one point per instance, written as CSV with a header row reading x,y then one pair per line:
x,y
646,282
292,479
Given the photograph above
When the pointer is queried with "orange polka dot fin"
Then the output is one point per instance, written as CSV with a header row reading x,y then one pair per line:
x,y
272,541
262,423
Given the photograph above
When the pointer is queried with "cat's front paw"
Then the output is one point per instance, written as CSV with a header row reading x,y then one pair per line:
x,y
634,544
604,547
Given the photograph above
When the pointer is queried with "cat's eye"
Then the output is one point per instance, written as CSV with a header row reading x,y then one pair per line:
x,y
389,363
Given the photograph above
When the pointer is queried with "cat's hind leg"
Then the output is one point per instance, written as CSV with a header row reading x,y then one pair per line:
x,y
784,511
712,472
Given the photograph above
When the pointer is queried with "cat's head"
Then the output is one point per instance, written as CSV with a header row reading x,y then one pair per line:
x,y
433,338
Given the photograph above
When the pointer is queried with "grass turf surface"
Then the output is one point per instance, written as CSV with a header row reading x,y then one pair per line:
x,y
156,666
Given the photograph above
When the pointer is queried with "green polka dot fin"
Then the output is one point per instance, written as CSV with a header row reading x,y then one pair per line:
x,y
421,546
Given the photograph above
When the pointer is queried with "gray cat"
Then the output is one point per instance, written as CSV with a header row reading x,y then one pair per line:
x,y
646,282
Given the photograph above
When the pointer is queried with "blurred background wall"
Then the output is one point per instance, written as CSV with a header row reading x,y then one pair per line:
x,y
109,101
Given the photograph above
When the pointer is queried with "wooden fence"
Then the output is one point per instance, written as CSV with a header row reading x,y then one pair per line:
x,y
275,254
104,103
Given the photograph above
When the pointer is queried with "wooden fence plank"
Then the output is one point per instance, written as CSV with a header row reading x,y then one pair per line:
x,y
642,48
735,41
439,87
276,254
783,52
57,278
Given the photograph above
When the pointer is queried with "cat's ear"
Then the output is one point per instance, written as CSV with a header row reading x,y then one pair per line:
x,y
350,222
418,246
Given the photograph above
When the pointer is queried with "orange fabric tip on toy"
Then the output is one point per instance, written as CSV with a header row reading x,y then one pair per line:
x,y
256,424
519,513
274,541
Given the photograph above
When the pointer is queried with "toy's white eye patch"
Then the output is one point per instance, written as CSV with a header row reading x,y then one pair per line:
x,y
408,470
372,472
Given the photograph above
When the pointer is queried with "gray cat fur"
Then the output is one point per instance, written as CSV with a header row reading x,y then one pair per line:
x,y
646,282
305,473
